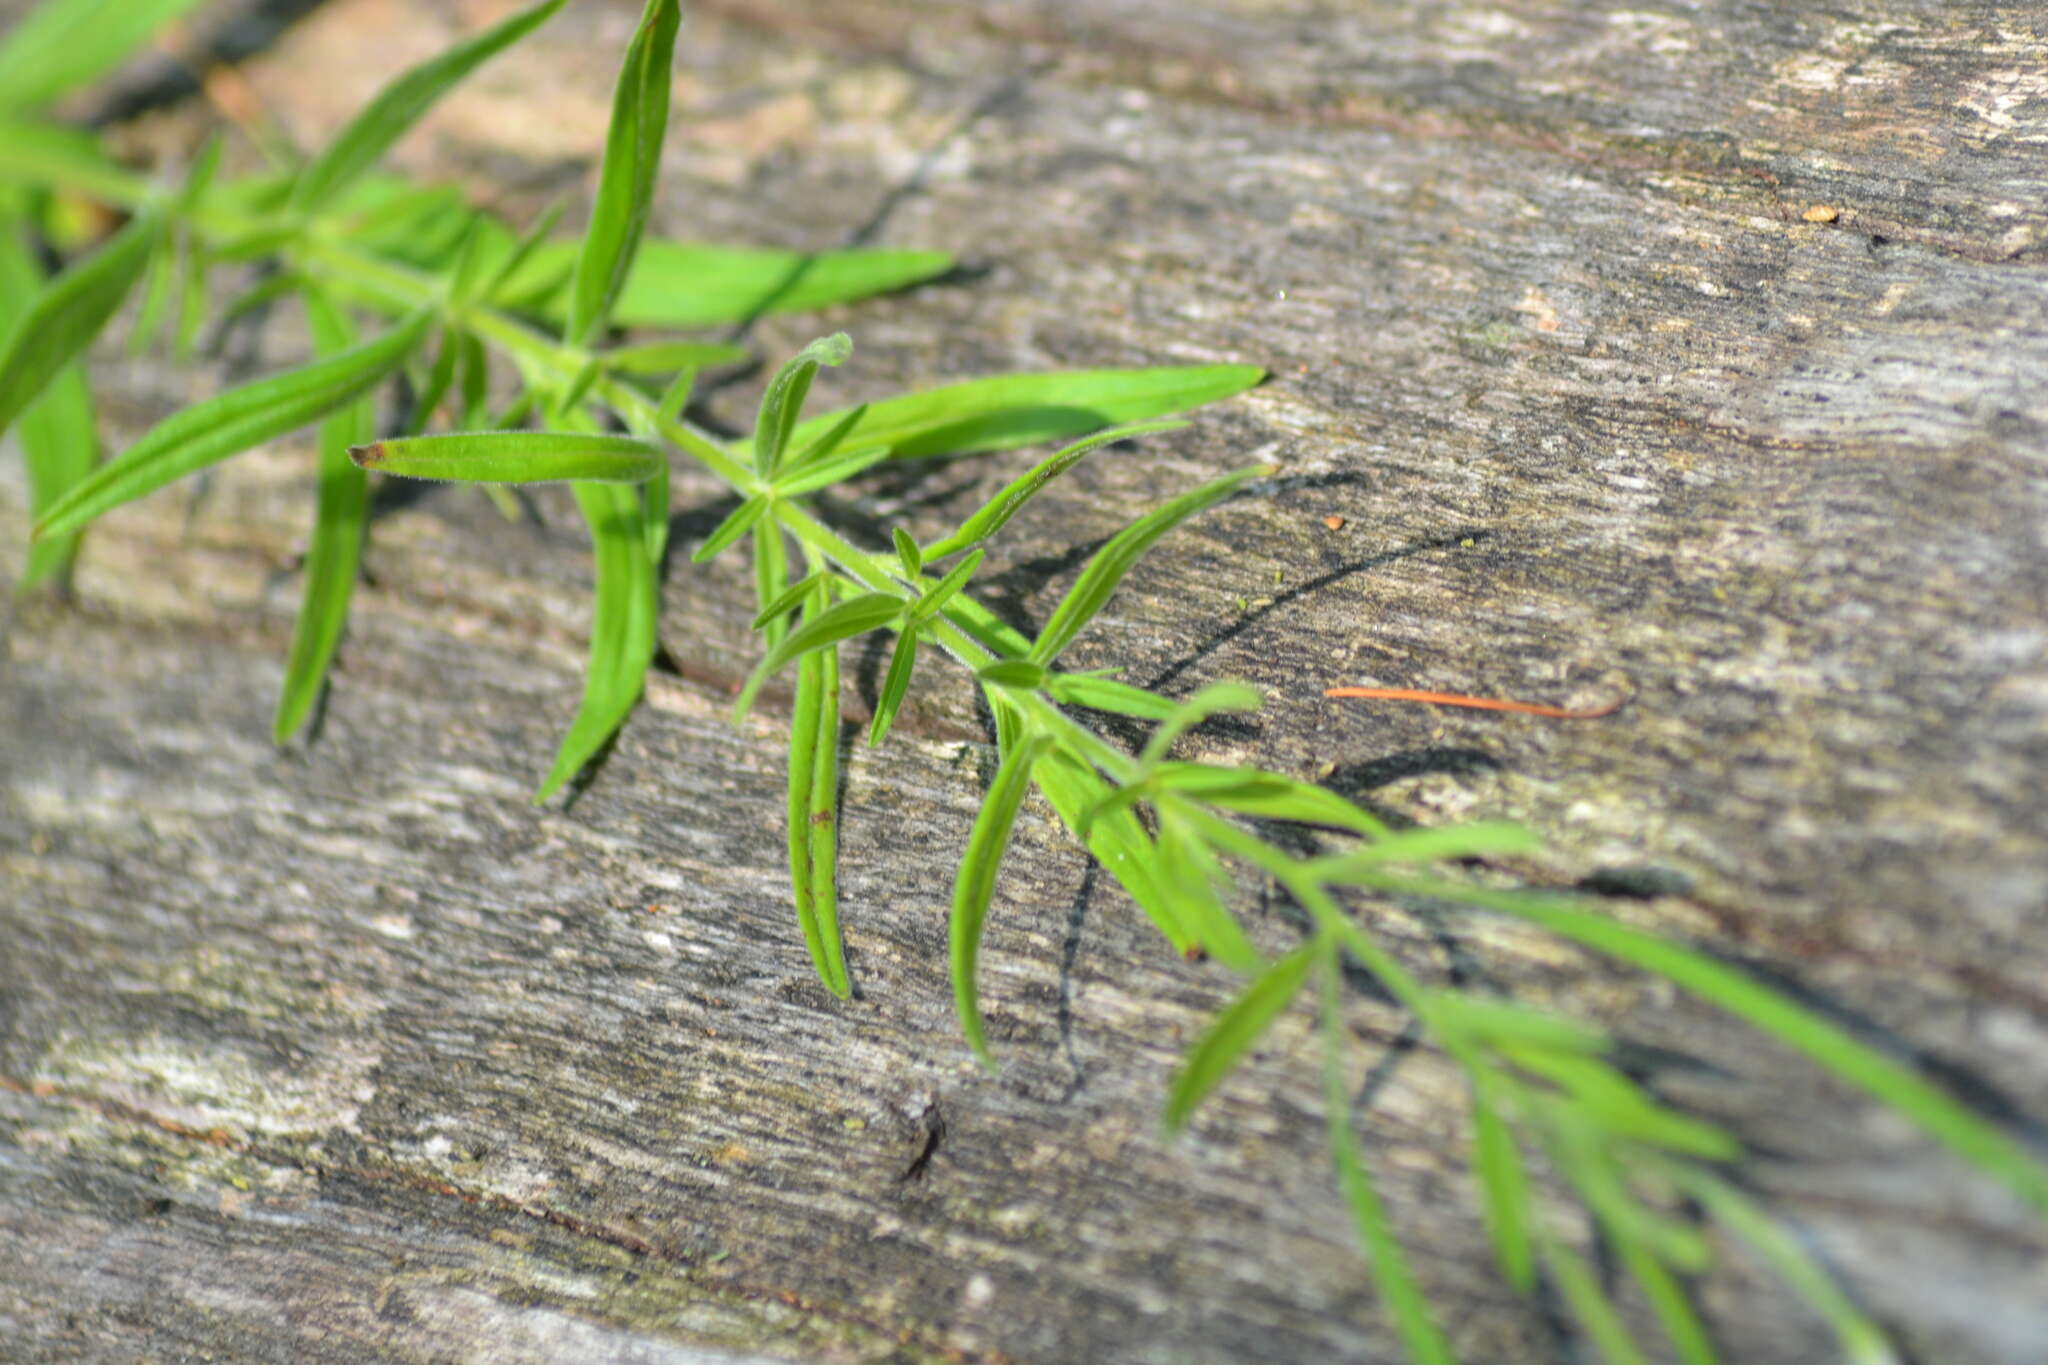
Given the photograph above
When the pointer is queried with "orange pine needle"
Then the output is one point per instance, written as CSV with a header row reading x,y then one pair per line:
x,y
1526,708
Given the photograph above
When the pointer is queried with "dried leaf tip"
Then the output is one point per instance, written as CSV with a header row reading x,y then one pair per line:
x,y
369,456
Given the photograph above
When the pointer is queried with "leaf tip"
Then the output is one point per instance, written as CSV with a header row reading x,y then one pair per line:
x,y
371,456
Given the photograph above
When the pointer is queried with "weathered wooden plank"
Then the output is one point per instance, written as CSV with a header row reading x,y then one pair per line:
x,y
1550,332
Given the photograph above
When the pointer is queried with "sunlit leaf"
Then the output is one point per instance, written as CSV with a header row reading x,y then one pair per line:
x,y
1107,694
1619,1105
625,186
1272,796
1233,1031
36,153
622,626
63,44
974,886
401,104
783,400
1863,1341
996,513
1024,409
907,553
1491,1022
1019,674
813,798
666,357
513,457
58,440
1117,841
824,473
736,524
942,593
1730,989
1476,839
440,379
790,597
1504,1190
1213,700
60,321
895,686
1398,1291
840,621
233,422
1589,1303
1105,572
336,545
690,284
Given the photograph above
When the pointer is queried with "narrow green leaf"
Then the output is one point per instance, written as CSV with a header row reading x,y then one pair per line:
x,y
401,104
1863,1341
737,524
907,553
790,597
622,626
823,826
663,357
262,294
1092,591
1116,840
1006,504
1271,796
473,381
1403,1297
771,578
1018,674
1674,1310
233,422
676,397
692,284
625,186
58,440
783,400
1233,1031
1504,1190
1195,876
1586,1154
156,296
974,886
1107,694
61,321
1590,1305
796,481
946,589
513,457
1210,701
840,621
896,686
1619,1106
1728,988
1008,411
813,796
191,302
63,44
440,379
522,249
827,442
1476,839
1493,1023
335,549
36,153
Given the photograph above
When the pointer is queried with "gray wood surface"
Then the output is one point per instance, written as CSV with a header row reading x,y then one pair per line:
x,y
1692,349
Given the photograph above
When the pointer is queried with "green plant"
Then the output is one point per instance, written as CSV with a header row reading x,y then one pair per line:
x,y
450,286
